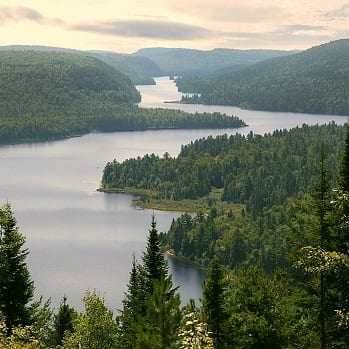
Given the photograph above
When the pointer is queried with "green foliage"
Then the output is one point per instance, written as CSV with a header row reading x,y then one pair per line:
x,y
264,175
258,311
213,302
63,321
159,326
16,286
94,328
151,314
254,170
312,81
154,265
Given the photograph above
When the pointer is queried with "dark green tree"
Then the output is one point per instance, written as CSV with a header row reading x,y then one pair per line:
x,y
159,327
321,198
214,292
344,167
150,315
154,264
133,308
256,311
63,321
16,286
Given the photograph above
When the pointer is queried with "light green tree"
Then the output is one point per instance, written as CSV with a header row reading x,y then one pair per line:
x,y
94,328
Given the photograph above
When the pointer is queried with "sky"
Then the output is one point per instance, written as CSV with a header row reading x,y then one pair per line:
x,y
129,25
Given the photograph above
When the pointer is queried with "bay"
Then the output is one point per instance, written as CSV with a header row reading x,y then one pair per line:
x,y
81,239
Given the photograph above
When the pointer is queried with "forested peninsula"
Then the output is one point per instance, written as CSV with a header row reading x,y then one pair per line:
x,y
312,81
54,95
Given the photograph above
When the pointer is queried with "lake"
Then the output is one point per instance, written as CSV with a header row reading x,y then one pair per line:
x,y
81,239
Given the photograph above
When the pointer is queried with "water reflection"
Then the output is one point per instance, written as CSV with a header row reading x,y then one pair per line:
x,y
188,277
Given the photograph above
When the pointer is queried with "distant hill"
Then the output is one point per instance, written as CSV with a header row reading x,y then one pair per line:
x,y
139,69
51,83
312,81
179,61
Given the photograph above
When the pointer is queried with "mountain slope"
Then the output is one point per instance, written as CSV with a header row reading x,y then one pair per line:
x,y
313,81
51,83
139,69
178,61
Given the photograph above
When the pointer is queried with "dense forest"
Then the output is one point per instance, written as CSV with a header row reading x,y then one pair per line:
x,y
52,95
180,61
140,70
312,81
302,305
257,178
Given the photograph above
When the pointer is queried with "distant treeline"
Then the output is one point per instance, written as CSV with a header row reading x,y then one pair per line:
x,y
313,81
257,171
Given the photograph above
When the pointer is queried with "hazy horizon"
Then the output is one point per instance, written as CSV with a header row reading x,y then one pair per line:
x,y
130,25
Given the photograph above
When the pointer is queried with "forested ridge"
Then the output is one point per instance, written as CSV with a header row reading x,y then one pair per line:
x,y
312,81
52,95
181,61
290,292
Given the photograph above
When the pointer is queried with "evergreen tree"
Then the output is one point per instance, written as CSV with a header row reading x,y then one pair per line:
x,y
133,308
214,290
16,287
159,327
150,315
63,321
321,202
256,310
343,232
154,264
344,167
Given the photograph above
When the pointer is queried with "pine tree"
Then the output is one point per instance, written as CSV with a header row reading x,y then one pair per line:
x,y
321,201
159,327
343,238
151,314
154,263
16,287
214,289
133,308
63,321
344,167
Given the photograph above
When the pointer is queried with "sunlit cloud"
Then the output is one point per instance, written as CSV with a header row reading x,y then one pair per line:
x,y
146,29
19,14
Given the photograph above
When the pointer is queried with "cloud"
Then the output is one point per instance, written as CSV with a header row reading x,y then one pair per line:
x,y
146,29
296,36
341,12
19,14
301,29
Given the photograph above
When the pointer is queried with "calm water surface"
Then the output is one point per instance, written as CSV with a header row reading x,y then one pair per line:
x,y
80,239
